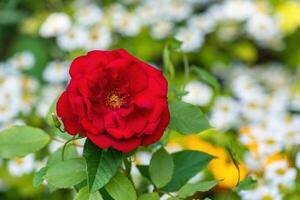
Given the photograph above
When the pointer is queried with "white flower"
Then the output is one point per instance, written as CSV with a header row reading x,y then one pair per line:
x,y
298,160
161,29
177,10
55,24
191,39
263,192
203,23
10,98
279,173
88,15
56,71
23,60
72,39
263,28
225,113
238,10
126,23
98,38
198,93
20,166
143,158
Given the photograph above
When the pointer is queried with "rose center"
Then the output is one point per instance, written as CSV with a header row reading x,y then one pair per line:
x,y
116,100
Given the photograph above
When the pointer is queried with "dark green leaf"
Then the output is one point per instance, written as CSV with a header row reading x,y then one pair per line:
x,y
191,188
144,170
19,141
161,168
102,165
120,188
39,177
246,184
187,164
187,118
66,173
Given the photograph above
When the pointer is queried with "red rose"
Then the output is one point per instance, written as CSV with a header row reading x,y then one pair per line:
x,y
115,100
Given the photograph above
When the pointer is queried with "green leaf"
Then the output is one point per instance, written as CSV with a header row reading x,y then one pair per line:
x,y
121,188
247,184
191,188
187,118
168,65
144,170
11,16
84,194
187,164
208,78
39,177
66,173
102,165
70,152
161,168
150,196
18,141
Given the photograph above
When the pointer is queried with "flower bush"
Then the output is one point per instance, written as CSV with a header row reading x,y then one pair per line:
x,y
201,103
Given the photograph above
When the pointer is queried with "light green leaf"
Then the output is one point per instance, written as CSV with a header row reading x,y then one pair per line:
x,y
39,177
84,194
208,78
168,65
102,165
191,188
187,164
121,188
70,152
19,141
187,118
150,196
247,184
66,173
161,168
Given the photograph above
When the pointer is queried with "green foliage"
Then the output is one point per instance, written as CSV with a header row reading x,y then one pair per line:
x,y
191,188
168,65
161,168
120,188
150,196
66,173
187,164
247,184
39,177
19,141
206,77
102,165
144,170
70,152
84,194
187,118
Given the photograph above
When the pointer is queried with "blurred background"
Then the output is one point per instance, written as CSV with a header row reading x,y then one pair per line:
x,y
245,66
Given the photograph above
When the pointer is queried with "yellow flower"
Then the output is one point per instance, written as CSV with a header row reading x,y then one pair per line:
x,y
222,167
289,16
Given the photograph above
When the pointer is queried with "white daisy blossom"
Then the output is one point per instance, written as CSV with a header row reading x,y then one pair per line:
x,y
238,10
191,39
262,28
56,71
143,158
161,29
10,98
126,23
298,160
261,192
72,39
22,61
203,23
98,38
20,166
225,113
198,93
279,173
88,15
55,24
